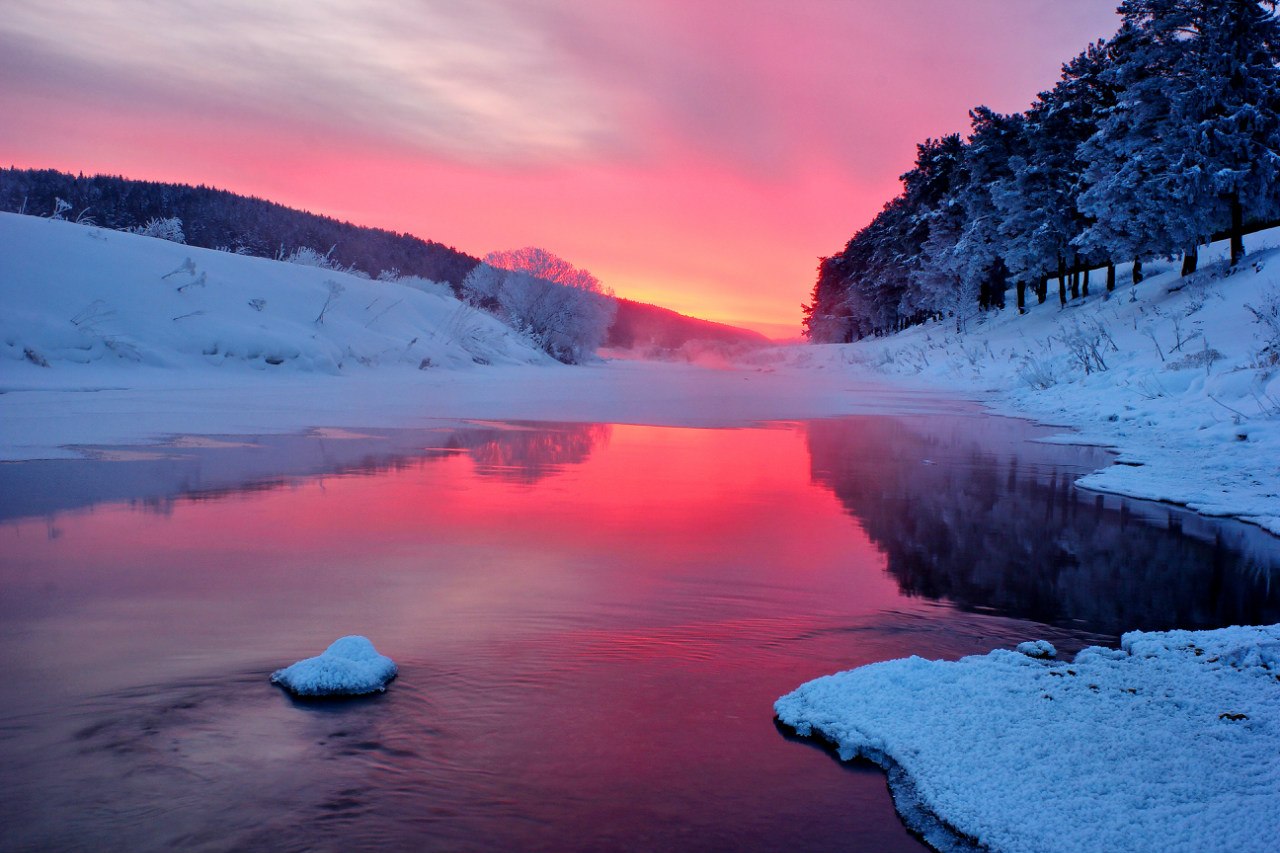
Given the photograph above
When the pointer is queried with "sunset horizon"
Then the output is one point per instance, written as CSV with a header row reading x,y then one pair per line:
x,y
690,159
640,425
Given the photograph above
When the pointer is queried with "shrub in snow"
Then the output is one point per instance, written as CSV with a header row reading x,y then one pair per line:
x,y
563,310
305,256
169,228
335,290
350,666
1267,317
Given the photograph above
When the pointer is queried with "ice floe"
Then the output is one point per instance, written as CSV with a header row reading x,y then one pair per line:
x,y
350,666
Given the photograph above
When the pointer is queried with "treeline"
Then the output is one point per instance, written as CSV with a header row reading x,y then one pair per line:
x,y
217,219
1153,143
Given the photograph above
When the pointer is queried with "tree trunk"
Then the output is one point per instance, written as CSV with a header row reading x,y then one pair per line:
x,y
1075,284
1237,230
1062,283
997,284
1042,290
1022,296
1190,259
1137,270
1111,276
1084,285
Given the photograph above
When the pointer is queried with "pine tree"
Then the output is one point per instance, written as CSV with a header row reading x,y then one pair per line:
x,y
1038,199
1192,144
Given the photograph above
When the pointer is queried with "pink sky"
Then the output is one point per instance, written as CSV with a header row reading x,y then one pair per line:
x,y
700,155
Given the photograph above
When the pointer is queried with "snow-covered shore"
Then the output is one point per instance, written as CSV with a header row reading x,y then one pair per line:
x,y
109,338
1166,744
1181,377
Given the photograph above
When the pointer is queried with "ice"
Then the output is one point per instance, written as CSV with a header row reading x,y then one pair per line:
x,y
351,666
1168,743
1037,649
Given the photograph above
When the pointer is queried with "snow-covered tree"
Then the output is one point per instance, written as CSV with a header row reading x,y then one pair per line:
x,y
567,313
165,228
1037,196
1192,144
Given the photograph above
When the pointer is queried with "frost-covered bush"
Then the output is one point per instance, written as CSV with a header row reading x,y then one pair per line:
x,y
305,256
566,318
1037,372
1266,314
166,228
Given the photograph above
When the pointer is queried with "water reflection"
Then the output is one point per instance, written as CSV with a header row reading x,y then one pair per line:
x,y
973,512
210,468
591,625
530,452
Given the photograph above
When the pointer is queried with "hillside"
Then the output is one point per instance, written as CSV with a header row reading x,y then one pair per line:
x,y
105,300
641,326
218,219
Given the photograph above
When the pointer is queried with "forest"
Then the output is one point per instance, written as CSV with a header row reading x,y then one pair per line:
x,y
1152,144
217,219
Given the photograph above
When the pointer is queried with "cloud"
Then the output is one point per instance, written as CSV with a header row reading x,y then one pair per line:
x,y
473,81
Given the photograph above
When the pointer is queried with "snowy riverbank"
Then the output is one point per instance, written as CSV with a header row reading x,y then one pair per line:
x,y
1177,374
1166,744
110,338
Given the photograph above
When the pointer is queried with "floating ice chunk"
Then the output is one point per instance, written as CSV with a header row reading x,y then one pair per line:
x,y
1038,649
349,667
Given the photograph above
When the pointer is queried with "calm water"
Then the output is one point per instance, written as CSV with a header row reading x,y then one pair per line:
x,y
591,621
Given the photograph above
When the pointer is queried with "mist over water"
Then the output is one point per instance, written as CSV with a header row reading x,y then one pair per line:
x,y
591,623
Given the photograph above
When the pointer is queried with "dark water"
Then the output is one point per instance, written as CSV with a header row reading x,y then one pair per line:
x,y
592,623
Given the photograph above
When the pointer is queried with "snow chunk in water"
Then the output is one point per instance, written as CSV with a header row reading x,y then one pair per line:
x,y
1037,649
349,667
1167,743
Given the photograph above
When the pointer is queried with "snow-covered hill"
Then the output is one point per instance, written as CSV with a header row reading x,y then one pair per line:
x,y
97,301
1182,375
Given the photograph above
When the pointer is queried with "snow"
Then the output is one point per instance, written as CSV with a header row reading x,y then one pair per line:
x,y
351,666
95,306
77,295
1167,743
1190,394
1037,649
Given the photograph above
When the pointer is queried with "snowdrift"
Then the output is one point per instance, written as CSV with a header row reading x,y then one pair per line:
x,y
77,295
1167,743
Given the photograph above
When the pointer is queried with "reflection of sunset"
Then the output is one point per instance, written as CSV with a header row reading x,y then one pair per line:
x,y
599,512
592,622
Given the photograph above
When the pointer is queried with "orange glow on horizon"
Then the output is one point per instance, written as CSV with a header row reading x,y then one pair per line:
x,y
691,157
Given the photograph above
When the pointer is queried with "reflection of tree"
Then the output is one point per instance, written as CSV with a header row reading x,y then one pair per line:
x,y
967,511
528,453
154,479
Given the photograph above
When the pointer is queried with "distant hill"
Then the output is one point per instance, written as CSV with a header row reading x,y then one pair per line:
x,y
643,326
218,219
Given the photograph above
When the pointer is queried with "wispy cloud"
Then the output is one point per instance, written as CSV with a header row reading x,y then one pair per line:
x,y
473,80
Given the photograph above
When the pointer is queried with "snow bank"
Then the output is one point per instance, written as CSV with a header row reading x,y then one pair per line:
x,y
76,295
351,666
1177,373
1166,744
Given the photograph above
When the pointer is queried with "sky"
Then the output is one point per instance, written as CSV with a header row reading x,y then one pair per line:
x,y
697,154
